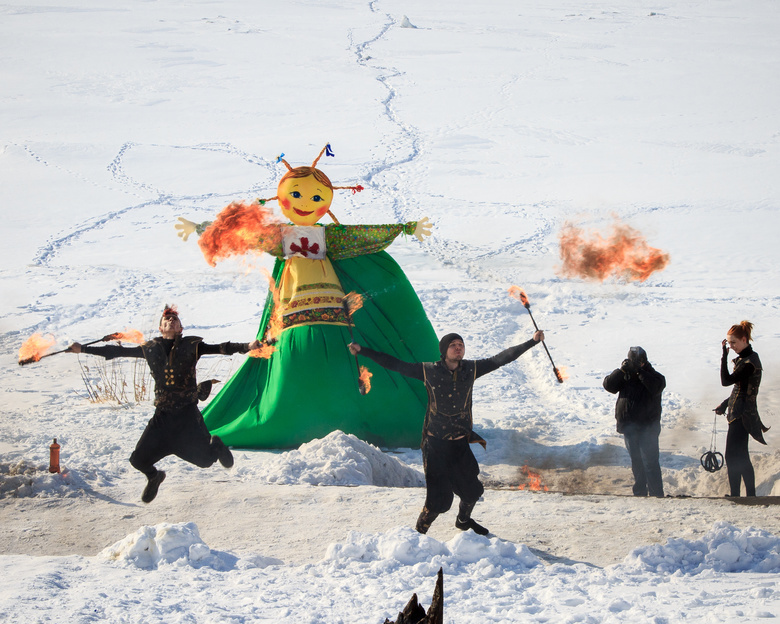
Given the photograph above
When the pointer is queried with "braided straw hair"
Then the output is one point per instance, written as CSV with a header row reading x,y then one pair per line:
x,y
317,174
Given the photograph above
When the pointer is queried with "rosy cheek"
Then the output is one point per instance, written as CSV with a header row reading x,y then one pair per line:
x,y
322,211
285,203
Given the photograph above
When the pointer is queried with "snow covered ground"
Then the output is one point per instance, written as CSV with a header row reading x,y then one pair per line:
x,y
502,122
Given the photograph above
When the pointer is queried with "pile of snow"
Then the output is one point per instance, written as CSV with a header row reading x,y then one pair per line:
x,y
23,479
403,546
180,544
340,459
725,548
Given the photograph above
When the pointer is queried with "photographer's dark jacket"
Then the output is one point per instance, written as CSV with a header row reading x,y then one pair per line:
x,y
172,362
448,416
746,379
639,395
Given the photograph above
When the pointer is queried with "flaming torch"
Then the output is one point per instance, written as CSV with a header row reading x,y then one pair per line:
x,y
519,294
36,346
351,303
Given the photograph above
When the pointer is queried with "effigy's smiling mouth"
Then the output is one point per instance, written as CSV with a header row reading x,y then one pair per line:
x,y
302,213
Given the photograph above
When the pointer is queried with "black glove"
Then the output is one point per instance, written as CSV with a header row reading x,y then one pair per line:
x,y
628,368
725,351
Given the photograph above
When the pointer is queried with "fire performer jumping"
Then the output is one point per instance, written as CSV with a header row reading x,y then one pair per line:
x,y
177,427
638,414
449,464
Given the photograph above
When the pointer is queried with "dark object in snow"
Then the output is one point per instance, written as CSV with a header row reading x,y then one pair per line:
x,y
413,613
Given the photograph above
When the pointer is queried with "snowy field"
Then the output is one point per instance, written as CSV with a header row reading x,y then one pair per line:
x,y
501,121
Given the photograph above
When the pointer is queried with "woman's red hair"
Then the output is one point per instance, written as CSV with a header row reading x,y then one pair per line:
x,y
743,331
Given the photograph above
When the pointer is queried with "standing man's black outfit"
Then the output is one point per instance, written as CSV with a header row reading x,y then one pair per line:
x,y
638,414
742,415
177,426
449,464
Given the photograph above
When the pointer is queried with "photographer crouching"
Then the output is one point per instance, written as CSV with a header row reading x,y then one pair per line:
x,y
638,414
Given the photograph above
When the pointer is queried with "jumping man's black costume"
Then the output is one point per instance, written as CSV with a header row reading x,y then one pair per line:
x,y
450,466
177,427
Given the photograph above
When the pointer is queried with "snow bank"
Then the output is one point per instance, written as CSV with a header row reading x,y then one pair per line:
x,y
180,544
24,479
725,548
403,546
340,459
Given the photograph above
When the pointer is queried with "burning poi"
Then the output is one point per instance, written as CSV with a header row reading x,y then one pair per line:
x,y
308,386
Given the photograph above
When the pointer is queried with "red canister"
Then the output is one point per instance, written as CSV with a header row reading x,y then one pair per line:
x,y
54,457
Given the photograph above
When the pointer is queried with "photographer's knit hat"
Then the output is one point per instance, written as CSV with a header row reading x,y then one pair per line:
x,y
638,355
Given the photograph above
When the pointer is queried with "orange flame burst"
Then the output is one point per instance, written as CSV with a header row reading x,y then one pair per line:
x,y
533,481
129,335
264,351
276,322
365,380
353,302
625,254
238,229
561,373
519,294
35,347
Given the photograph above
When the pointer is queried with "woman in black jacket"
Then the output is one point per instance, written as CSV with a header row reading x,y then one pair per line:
x,y
638,414
740,408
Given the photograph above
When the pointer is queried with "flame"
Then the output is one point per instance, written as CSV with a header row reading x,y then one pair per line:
x,y
365,380
533,481
35,347
352,302
275,323
561,373
238,229
129,335
519,294
625,254
264,351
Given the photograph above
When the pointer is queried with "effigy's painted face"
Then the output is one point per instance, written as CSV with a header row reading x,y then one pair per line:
x,y
304,201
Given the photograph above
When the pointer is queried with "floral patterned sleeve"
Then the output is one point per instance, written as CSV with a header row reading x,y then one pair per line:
x,y
349,241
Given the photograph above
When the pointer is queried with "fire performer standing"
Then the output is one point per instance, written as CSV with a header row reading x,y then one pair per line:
x,y
638,413
449,464
741,408
177,427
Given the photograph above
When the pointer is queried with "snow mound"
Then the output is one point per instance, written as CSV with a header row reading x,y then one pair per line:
x,y
725,548
24,479
405,546
340,459
179,544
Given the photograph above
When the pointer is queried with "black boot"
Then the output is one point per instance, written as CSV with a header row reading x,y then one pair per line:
x,y
152,485
464,521
224,455
425,520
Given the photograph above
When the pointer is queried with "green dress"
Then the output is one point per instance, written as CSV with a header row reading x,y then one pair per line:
x,y
309,387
